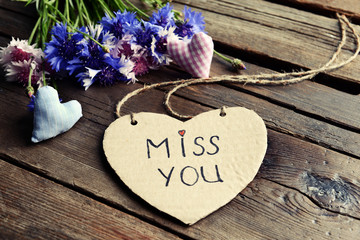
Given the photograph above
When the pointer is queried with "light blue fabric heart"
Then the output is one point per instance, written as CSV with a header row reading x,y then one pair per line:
x,y
52,117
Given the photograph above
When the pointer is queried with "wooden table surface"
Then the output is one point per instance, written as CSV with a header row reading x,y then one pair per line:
x,y
308,186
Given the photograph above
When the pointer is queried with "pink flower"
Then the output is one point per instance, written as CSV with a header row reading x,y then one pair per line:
x,y
18,51
18,58
126,49
141,65
20,71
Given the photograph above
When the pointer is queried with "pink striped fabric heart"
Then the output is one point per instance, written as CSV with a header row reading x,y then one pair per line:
x,y
194,56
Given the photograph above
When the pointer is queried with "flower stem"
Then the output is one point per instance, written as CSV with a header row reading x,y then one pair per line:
x,y
34,30
141,13
67,12
43,74
30,75
29,89
106,8
236,63
104,48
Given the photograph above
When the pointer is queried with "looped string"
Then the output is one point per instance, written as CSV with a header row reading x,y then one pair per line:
x,y
258,79
132,121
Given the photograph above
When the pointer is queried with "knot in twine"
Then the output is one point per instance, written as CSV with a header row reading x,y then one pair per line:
x,y
258,79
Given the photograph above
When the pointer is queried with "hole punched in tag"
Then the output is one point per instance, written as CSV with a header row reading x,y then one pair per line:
x,y
222,111
133,121
275,79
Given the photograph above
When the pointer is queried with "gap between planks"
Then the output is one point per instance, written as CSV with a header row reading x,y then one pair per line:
x,y
37,213
282,33
289,195
327,8
28,159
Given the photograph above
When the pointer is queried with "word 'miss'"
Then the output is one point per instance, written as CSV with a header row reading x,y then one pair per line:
x,y
189,175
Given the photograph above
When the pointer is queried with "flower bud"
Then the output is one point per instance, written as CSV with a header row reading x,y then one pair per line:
x,y
30,91
238,64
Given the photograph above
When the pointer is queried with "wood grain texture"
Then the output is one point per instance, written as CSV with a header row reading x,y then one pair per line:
x,y
308,97
276,117
15,25
76,160
19,7
303,190
301,38
32,207
328,178
348,7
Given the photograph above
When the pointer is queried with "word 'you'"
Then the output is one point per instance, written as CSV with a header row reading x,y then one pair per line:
x,y
189,175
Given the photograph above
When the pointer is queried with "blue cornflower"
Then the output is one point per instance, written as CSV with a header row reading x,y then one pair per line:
x,y
120,24
63,47
31,105
164,17
143,36
91,55
106,76
114,70
159,46
193,23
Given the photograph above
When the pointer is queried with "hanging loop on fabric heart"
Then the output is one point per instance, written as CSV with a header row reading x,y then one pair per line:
x,y
257,79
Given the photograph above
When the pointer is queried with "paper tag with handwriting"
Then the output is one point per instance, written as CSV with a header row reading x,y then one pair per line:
x,y
187,169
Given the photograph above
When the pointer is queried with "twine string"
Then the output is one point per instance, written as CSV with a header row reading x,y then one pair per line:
x,y
257,79
222,111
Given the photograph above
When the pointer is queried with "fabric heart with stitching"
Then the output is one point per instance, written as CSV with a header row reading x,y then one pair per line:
x,y
194,56
51,117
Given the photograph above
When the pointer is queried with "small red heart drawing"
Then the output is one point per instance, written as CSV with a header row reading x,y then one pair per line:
x,y
181,132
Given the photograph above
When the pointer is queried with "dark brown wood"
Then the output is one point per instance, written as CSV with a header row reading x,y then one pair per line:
x,y
308,184
19,7
275,32
76,159
347,7
328,178
308,97
16,25
32,207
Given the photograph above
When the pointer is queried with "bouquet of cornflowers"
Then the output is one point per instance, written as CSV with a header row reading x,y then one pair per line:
x,y
120,47
109,48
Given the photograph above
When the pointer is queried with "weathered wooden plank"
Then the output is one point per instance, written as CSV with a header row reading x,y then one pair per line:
x,y
4,41
275,31
19,7
328,178
15,24
278,117
308,97
33,207
348,7
286,211
76,160
298,97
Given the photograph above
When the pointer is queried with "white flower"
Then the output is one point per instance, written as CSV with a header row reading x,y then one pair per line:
x,y
19,71
88,78
20,50
127,69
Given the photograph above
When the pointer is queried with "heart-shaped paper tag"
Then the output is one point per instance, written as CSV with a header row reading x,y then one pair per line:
x,y
187,169
52,117
194,56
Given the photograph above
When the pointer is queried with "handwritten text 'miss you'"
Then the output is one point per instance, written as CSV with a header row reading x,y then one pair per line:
x,y
189,175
